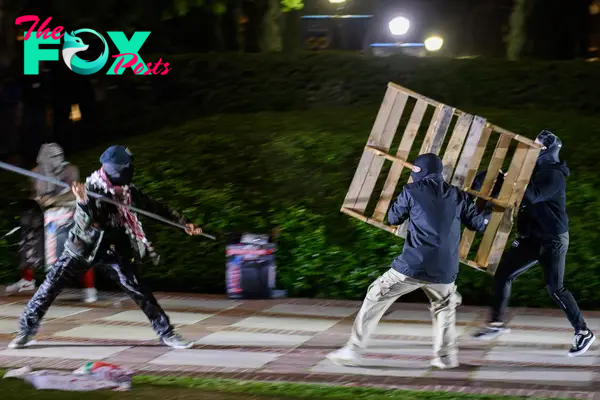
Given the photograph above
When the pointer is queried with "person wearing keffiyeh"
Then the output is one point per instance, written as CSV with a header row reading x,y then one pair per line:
x,y
112,238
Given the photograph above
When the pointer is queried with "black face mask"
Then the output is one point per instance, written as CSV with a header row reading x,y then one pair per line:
x,y
119,175
429,164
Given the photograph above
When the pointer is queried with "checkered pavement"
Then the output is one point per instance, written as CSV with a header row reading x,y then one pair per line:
x,y
288,339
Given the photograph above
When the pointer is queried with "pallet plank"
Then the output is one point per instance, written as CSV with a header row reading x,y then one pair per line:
x,y
506,194
408,138
434,139
472,143
490,178
466,177
505,227
381,137
438,128
455,145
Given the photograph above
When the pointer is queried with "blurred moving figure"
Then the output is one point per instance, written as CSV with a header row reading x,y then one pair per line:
x,y
45,228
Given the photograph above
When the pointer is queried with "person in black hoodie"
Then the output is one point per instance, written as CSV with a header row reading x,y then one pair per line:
x,y
435,210
542,236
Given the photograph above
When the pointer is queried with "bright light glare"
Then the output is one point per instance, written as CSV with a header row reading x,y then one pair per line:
x,y
337,1
434,43
399,26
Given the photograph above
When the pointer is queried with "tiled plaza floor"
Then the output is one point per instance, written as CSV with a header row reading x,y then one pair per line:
x,y
287,340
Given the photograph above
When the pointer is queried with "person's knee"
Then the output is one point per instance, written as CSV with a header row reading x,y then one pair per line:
x,y
448,303
557,293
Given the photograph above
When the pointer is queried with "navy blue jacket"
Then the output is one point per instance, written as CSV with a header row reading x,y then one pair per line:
x,y
435,210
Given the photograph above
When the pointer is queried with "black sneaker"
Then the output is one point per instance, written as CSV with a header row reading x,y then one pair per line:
x,y
491,331
582,341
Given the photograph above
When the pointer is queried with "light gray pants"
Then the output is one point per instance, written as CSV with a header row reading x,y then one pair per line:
x,y
387,289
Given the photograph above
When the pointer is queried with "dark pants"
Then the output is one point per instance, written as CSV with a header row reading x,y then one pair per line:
x,y
525,253
68,268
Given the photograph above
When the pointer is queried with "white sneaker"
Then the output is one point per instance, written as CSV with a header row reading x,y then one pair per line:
x,y
176,341
20,341
21,286
90,295
446,362
345,357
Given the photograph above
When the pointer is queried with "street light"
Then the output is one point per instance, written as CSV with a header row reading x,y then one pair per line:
x,y
399,26
434,43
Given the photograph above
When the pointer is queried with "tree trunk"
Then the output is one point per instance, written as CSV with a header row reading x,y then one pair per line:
x,y
270,40
517,34
238,14
292,31
7,34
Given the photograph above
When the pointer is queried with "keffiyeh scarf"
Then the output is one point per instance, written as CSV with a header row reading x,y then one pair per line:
x,y
99,182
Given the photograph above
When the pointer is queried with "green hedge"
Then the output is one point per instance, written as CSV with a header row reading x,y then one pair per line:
x,y
217,83
256,171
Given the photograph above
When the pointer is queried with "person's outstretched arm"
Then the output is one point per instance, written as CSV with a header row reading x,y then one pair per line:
x,y
400,210
147,203
470,216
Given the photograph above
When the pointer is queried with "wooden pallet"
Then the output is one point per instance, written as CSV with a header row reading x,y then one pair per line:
x,y
462,158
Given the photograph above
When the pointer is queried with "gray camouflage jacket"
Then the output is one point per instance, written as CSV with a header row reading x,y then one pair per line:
x,y
95,217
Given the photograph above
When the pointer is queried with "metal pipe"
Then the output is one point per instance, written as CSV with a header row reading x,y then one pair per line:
x,y
148,214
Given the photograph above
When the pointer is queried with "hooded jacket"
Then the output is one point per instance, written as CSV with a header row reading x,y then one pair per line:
x,y
435,210
51,163
543,211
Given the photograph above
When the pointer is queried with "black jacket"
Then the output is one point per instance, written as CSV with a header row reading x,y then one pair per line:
x,y
543,211
435,210
92,222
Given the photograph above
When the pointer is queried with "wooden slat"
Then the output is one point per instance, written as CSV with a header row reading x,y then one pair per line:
x,y
481,196
455,145
370,221
434,139
381,137
488,184
408,138
425,99
499,243
465,176
471,145
506,194
438,128
518,138
496,163
472,264
389,157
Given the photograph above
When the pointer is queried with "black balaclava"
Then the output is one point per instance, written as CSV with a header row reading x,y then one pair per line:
x,y
429,163
553,146
117,162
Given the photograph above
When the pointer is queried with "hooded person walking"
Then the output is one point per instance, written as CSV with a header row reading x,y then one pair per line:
x,y
111,237
542,237
429,261
44,241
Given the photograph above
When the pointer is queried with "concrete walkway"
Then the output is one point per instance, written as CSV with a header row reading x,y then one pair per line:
x,y
287,340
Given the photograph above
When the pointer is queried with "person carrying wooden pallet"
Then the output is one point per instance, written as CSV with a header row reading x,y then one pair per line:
x,y
429,261
542,236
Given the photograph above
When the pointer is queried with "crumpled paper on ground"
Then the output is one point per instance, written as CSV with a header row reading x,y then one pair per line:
x,y
90,377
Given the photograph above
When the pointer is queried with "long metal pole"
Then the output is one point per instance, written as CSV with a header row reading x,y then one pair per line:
x,y
37,176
